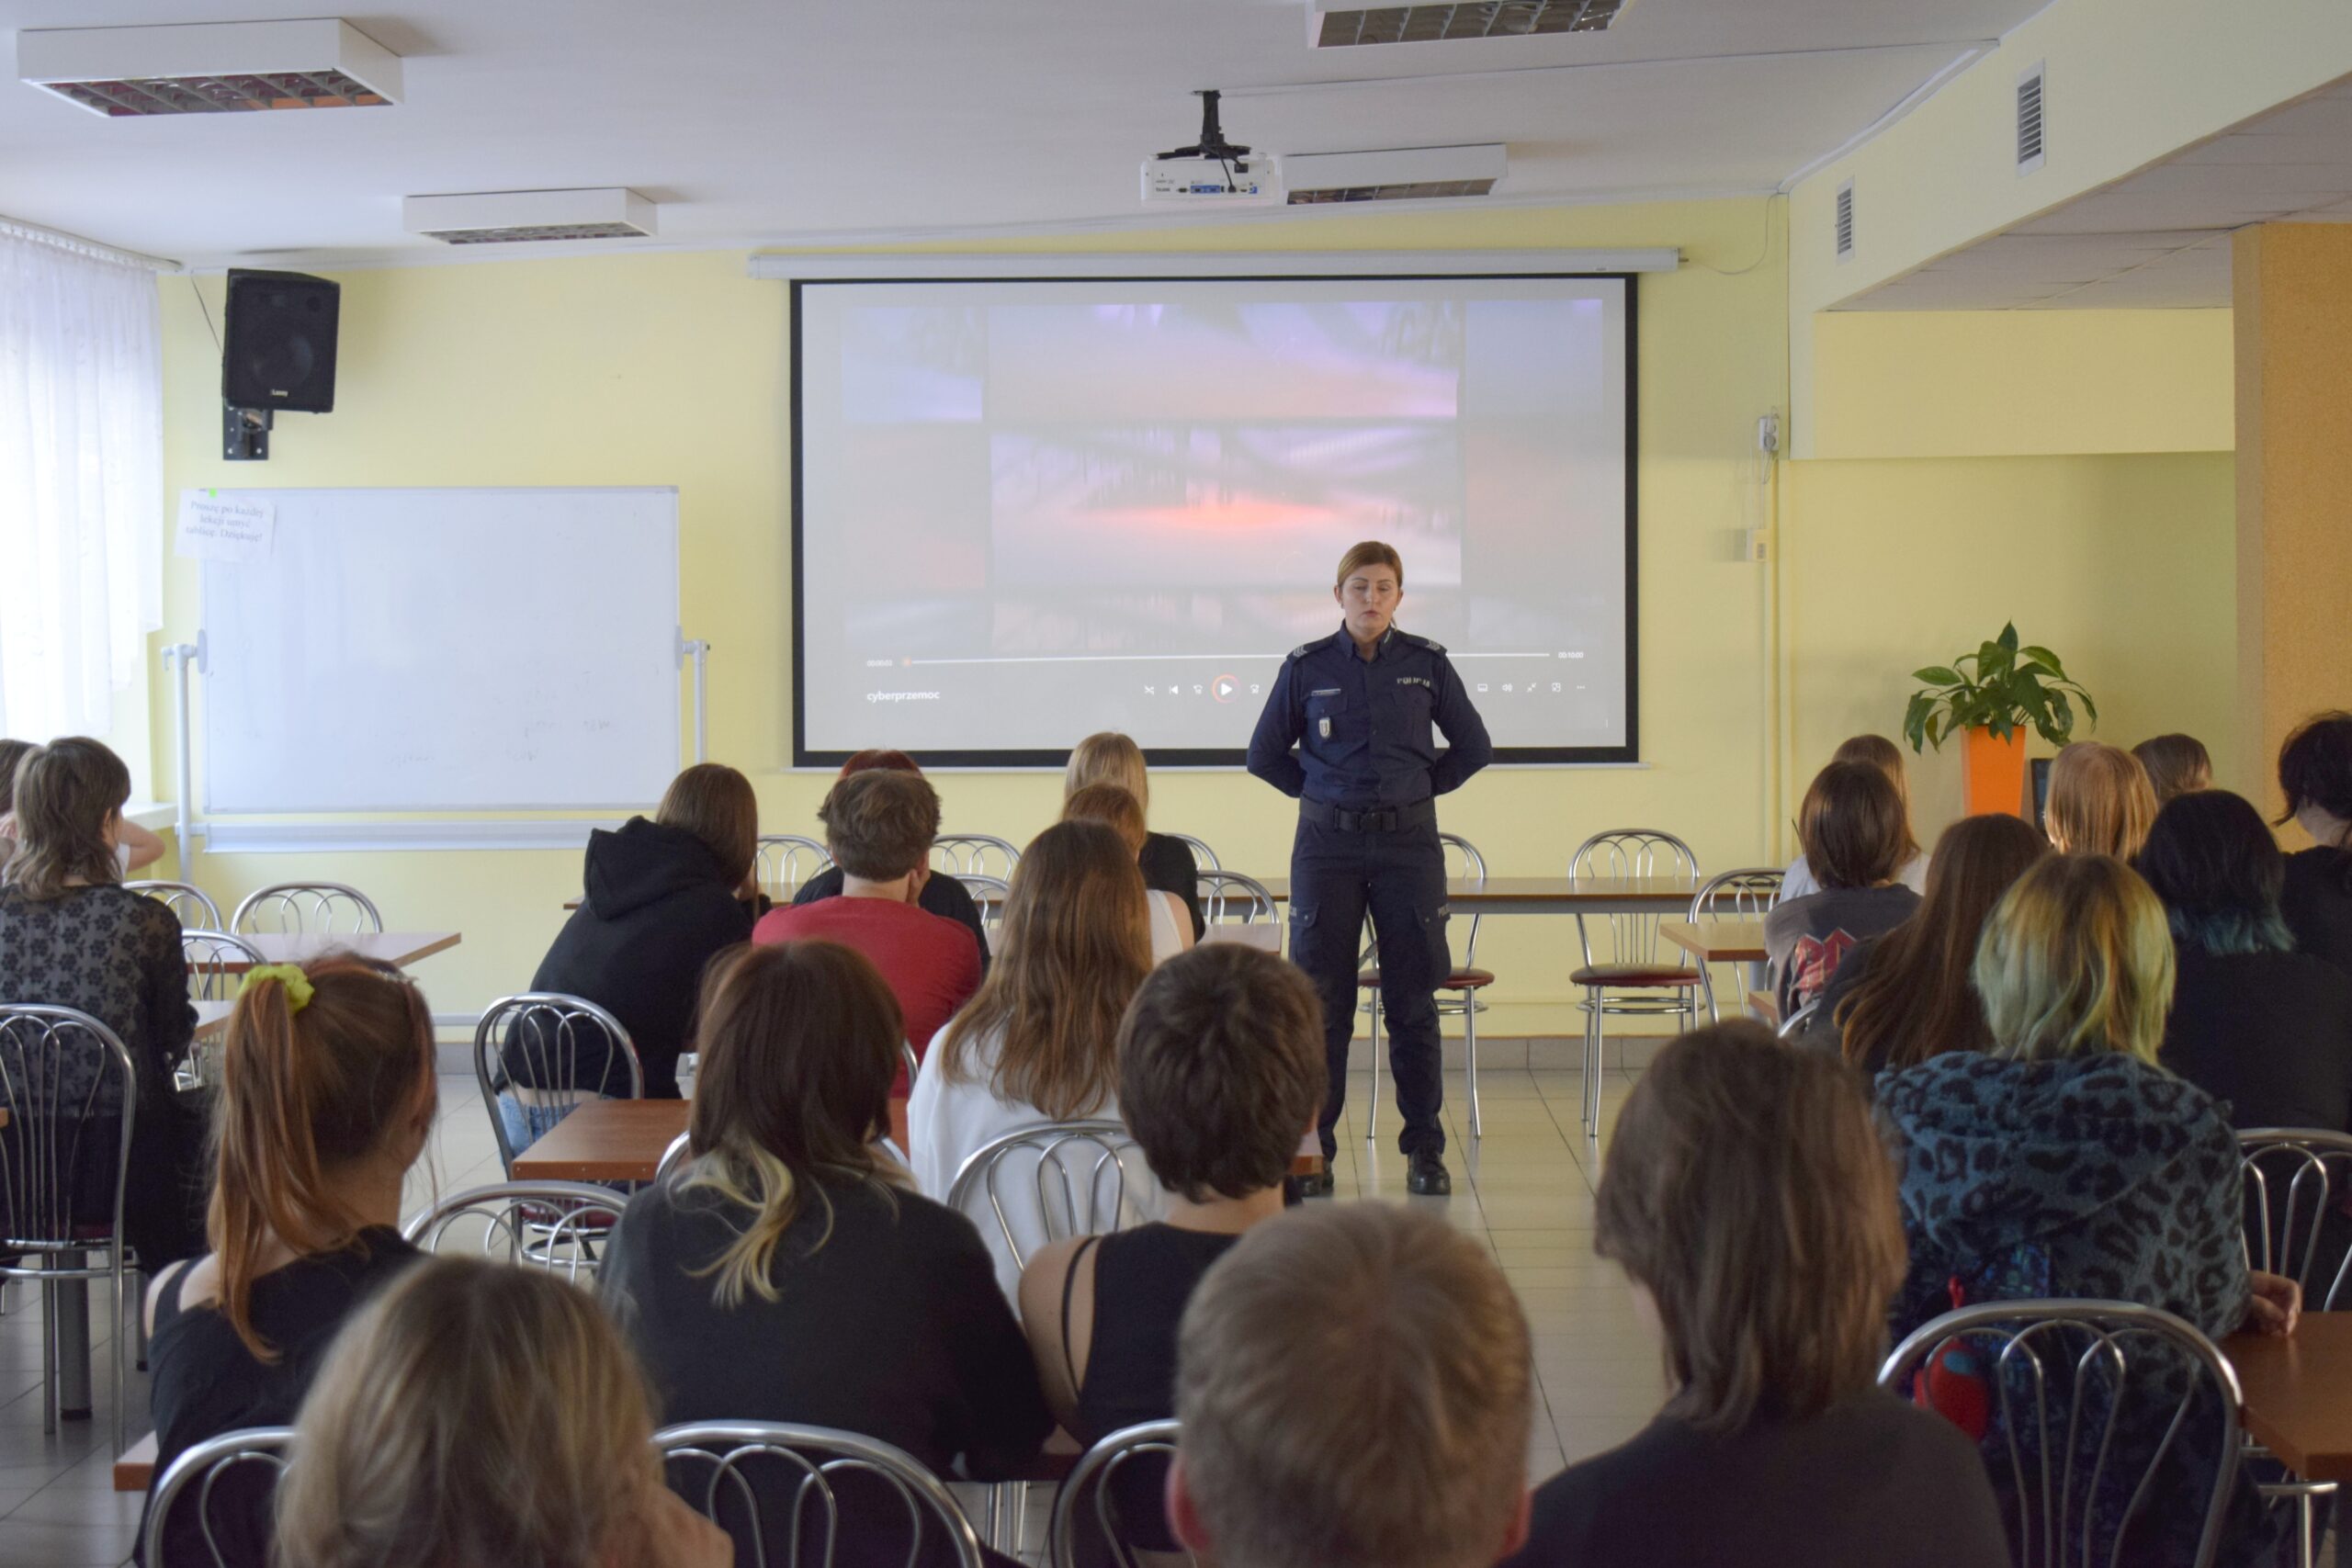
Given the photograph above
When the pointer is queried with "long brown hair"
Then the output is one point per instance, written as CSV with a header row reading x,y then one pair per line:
x,y
799,1045
11,753
1075,946
66,793
1748,1192
1914,1000
717,805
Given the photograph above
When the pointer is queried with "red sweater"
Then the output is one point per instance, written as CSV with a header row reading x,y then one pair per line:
x,y
931,963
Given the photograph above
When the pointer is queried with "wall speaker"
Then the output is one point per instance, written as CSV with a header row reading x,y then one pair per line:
x,y
279,348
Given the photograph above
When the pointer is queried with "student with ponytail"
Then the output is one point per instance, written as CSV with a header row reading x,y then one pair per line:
x,y
327,1098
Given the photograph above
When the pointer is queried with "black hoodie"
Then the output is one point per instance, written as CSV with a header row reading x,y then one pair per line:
x,y
658,907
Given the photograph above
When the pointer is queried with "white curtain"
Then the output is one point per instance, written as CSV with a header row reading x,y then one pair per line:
x,y
81,483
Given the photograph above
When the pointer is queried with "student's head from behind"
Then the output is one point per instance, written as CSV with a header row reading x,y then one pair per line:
x,y
1853,826
472,1414
2177,764
1369,585
1748,1195
879,824
800,1042
2212,861
878,756
1113,807
69,798
2100,801
1880,753
1108,757
1354,1387
716,804
1221,1069
11,753
327,1076
2315,777
2077,959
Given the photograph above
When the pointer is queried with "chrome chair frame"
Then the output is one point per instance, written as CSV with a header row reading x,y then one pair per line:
x,y
674,1156
554,1225
777,863
1219,890
208,954
1466,1007
1094,1471
202,1465
1751,891
989,894
324,898
1625,853
1113,1145
177,897
525,1008
1204,857
1797,1021
724,1445
968,854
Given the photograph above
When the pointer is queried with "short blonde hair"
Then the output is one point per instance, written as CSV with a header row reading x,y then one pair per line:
x,y
1354,1386
2077,957
1108,757
1372,552
2100,801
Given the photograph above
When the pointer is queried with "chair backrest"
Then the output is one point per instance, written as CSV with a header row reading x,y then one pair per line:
x,y
1743,895
555,1225
1056,1179
326,908
67,1086
989,894
215,959
787,860
1797,1023
550,1033
795,1495
1227,897
1124,1468
1627,854
1204,857
1464,863
2296,1181
226,1486
191,904
2064,1378
970,854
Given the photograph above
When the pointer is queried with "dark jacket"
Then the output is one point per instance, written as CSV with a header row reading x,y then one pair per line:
x,y
658,907
1168,867
2317,902
942,894
2270,1034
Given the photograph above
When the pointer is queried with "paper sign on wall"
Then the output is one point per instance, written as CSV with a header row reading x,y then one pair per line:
x,y
223,527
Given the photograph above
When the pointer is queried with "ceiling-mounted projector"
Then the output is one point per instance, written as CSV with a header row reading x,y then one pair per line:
x,y
1213,172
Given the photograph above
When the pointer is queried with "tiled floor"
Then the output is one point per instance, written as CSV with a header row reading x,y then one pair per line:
x,y
1525,1190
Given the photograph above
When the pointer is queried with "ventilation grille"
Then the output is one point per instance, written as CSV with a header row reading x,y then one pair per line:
x,y
221,94
320,62
2030,145
535,231
509,217
1845,220
1419,190
1439,24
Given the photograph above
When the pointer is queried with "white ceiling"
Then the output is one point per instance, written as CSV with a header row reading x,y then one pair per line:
x,y
849,121
2158,239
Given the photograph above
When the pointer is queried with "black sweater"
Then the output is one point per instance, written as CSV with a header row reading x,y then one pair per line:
x,y
1168,867
2317,902
2269,1033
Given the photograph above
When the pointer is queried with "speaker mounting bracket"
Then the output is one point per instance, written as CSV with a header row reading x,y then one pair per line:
x,y
244,435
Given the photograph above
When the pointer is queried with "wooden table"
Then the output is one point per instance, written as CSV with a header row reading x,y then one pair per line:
x,y
399,949
2298,1393
134,1467
1717,942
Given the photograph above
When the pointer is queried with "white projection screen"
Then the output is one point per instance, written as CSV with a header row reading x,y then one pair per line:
x,y
1028,509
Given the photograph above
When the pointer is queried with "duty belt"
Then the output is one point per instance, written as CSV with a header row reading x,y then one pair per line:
x,y
1380,820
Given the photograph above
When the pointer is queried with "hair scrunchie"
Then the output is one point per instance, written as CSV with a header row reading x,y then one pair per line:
x,y
299,990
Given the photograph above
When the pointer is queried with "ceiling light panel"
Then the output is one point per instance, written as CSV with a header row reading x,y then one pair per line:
x,y
505,217
1396,173
211,67
1340,24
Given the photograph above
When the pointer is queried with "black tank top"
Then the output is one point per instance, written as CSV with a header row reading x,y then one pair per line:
x,y
1142,1279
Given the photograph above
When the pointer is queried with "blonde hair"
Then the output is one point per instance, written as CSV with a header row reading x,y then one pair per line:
x,y
717,805
2076,958
474,1414
1111,757
66,792
2100,801
1354,1387
1371,552
1115,807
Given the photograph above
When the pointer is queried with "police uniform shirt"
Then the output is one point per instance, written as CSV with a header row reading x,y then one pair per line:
x,y
1362,726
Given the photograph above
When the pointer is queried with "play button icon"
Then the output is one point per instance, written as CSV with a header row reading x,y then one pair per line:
x,y
1225,688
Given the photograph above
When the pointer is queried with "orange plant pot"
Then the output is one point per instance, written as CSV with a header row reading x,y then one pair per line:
x,y
1995,774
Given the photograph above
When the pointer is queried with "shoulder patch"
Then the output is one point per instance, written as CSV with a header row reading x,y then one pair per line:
x,y
1434,647
1300,651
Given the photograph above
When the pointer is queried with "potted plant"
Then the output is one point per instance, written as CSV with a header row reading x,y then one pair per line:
x,y
1991,695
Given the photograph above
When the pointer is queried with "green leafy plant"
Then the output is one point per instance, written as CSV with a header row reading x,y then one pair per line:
x,y
2001,687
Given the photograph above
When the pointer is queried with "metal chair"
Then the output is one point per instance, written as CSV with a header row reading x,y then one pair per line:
x,y
327,908
1204,857
989,894
1062,1171
777,1490
2064,1375
216,961
71,1095
258,1454
1632,980
673,1156
554,1225
974,855
1227,897
1798,1022
1463,863
786,861
189,904
1092,1486
1746,894
546,1028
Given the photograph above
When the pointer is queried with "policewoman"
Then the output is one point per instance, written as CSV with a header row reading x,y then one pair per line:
x,y
1358,704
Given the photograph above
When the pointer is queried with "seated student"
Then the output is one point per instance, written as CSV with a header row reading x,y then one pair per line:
x,y
1906,997
475,1414
327,1098
2177,764
878,826
2263,1029
1856,836
2316,776
1752,1204
943,896
1887,758
2100,801
71,936
135,848
2063,1161
1172,926
1110,756
660,897
786,1272
1354,1387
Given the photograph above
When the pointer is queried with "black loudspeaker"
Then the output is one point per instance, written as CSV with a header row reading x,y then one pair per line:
x,y
280,342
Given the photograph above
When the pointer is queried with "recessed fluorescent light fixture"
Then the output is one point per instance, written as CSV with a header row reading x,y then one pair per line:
x,y
1340,24
1399,173
211,67
493,217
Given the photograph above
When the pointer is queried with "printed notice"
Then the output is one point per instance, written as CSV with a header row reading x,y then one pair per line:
x,y
224,527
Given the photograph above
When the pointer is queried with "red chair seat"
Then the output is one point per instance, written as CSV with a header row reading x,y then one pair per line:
x,y
1460,981
1639,975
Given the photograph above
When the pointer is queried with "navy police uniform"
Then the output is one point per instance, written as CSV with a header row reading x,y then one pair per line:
x,y
1367,776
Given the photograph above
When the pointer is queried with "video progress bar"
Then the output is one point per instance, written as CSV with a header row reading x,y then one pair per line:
x,y
1174,658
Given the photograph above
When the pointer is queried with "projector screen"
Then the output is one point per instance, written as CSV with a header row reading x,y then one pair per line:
x,y
1026,510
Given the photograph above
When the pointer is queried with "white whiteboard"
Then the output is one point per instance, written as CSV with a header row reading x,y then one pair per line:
x,y
445,650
